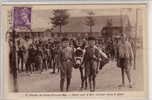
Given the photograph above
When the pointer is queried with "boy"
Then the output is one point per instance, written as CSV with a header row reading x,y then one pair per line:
x,y
90,61
66,59
125,59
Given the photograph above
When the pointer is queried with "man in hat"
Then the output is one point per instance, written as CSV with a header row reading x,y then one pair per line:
x,y
125,59
90,63
66,59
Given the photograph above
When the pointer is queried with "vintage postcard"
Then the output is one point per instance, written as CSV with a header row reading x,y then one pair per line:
x,y
75,51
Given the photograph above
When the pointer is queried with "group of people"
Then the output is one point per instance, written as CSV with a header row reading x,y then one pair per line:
x,y
59,55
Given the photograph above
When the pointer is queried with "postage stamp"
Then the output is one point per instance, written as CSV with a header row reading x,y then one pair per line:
x,y
22,17
75,51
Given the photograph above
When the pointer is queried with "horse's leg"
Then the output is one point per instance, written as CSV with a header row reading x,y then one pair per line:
x,y
82,77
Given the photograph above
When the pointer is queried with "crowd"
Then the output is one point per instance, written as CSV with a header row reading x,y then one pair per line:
x,y
40,55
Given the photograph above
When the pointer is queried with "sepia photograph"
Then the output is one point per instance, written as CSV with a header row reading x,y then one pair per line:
x,y
75,49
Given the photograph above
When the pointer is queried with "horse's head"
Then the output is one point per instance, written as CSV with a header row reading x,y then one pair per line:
x,y
78,56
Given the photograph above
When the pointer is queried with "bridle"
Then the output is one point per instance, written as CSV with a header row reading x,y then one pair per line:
x,y
78,56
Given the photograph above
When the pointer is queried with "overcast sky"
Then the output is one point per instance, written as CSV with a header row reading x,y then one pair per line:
x,y
40,18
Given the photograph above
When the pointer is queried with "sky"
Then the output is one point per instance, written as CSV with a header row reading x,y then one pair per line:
x,y
41,18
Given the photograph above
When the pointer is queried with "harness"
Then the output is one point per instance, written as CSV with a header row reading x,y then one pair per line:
x,y
78,56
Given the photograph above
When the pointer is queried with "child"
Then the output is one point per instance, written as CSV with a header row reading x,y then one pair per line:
x,y
66,59
125,59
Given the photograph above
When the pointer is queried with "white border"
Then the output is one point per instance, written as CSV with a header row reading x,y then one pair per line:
x,y
56,2
74,2
150,49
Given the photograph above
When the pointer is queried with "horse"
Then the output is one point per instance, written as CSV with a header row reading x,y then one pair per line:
x,y
79,51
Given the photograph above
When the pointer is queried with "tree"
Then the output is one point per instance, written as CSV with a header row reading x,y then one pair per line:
x,y
90,21
107,29
60,18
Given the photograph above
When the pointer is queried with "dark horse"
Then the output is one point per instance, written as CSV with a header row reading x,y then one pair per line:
x,y
79,51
